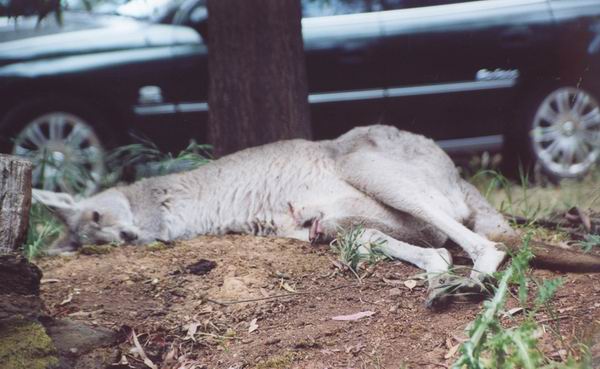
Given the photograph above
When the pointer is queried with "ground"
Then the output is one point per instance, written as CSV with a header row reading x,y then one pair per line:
x,y
203,319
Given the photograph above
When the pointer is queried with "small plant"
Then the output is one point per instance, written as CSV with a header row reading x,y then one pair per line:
x,y
590,241
490,345
353,253
146,160
43,229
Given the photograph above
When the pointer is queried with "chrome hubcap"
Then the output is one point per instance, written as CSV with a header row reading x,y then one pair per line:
x,y
566,132
66,152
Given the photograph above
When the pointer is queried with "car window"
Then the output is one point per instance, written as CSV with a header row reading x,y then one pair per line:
x,y
320,8
405,4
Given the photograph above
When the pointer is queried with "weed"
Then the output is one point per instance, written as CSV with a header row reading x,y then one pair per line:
x,y
146,160
353,253
43,229
490,345
281,361
590,241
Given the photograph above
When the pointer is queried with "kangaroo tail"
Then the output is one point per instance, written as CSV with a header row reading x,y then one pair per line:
x,y
551,257
555,258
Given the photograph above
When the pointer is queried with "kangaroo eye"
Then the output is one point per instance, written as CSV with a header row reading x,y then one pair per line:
x,y
96,216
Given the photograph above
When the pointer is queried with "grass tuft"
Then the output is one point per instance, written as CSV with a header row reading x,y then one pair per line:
x,y
590,241
352,253
43,229
145,159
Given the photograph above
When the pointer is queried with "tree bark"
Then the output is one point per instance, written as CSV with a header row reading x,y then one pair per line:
x,y
257,85
15,201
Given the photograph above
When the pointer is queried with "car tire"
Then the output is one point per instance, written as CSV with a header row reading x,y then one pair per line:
x,y
64,137
559,137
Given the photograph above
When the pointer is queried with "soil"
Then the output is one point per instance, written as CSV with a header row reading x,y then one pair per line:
x,y
226,316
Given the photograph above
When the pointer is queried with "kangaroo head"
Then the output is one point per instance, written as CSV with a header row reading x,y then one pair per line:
x,y
100,219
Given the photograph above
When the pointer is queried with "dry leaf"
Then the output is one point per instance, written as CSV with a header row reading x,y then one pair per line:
x,y
452,351
356,316
287,287
49,280
67,300
191,328
253,326
512,312
393,282
141,352
410,284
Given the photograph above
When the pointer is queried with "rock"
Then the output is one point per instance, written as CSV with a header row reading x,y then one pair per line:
x,y
24,344
74,340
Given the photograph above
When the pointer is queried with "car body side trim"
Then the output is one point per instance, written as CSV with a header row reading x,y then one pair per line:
x,y
457,145
159,109
342,96
192,107
438,88
444,88
328,97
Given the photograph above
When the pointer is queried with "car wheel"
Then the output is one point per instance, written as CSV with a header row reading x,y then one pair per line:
x,y
565,133
64,144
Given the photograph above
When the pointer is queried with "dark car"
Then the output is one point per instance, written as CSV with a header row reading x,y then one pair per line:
x,y
473,75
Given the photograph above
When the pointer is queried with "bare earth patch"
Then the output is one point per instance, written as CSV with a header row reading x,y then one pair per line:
x,y
185,316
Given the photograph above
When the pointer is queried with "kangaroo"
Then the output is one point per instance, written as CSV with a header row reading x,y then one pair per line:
x,y
401,187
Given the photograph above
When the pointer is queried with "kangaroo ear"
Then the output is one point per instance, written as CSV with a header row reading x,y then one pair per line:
x,y
62,204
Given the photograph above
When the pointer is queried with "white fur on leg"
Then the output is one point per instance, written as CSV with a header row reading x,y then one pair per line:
x,y
487,262
433,261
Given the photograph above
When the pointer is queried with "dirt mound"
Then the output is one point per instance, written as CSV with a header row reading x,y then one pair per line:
x,y
269,303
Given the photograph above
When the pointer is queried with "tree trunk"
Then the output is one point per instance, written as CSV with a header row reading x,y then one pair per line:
x,y
257,85
15,201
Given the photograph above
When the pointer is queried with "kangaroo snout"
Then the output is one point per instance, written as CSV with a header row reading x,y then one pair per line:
x,y
128,236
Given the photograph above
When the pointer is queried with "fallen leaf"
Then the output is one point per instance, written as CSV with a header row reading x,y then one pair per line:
x,y
191,328
123,361
356,316
49,280
393,282
287,287
512,312
141,352
67,300
410,284
253,326
452,351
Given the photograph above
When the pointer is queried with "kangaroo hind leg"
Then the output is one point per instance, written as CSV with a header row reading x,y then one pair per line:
x,y
437,200
435,262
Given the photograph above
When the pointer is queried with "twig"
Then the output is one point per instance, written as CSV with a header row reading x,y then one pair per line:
x,y
561,317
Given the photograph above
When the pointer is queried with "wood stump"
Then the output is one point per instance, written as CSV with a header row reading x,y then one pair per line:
x,y
15,201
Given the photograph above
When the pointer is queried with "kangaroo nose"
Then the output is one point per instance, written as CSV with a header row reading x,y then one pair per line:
x,y
128,236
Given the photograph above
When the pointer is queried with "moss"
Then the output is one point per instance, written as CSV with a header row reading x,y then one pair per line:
x,y
156,246
24,344
283,361
96,249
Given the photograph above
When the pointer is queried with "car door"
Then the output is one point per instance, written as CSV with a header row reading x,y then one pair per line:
x,y
453,67
342,44
154,93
